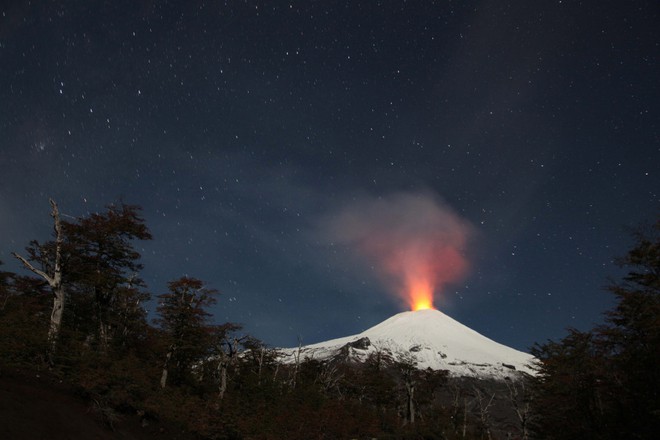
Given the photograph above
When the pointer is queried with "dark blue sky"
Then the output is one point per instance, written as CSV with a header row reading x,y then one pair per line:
x,y
238,126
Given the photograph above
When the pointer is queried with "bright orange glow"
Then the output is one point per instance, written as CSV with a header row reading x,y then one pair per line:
x,y
423,273
420,294
422,304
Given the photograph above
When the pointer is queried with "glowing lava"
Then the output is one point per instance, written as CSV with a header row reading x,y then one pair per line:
x,y
419,294
423,271
422,304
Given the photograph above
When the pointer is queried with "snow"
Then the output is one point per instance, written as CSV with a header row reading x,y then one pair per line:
x,y
435,341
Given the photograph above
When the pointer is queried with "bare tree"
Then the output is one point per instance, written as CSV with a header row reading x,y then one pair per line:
x,y
407,366
465,417
458,409
53,279
410,402
519,399
329,377
484,403
259,357
227,351
296,366
166,364
260,362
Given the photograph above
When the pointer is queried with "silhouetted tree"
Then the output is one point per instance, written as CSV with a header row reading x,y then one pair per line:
x,y
407,367
377,384
519,398
92,259
260,360
104,265
632,339
226,347
183,316
603,384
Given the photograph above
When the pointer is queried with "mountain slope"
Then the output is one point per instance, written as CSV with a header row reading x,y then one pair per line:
x,y
433,339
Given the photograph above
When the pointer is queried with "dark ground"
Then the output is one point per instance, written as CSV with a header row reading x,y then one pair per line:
x,y
38,406
35,406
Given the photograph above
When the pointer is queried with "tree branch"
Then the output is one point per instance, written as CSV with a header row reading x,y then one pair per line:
x,y
29,266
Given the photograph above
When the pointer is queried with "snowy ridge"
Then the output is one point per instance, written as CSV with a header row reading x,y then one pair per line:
x,y
433,339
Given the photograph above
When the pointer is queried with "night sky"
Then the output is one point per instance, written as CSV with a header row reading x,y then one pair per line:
x,y
243,128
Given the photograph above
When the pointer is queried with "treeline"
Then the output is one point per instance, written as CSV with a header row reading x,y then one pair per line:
x,y
80,314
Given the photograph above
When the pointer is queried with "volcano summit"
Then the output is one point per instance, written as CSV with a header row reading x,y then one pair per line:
x,y
432,339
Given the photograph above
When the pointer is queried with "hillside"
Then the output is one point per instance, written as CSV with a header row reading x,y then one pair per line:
x,y
36,406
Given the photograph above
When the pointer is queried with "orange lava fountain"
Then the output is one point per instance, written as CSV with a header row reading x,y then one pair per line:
x,y
423,271
420,295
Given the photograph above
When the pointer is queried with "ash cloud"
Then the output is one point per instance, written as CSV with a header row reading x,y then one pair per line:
x,y
416,241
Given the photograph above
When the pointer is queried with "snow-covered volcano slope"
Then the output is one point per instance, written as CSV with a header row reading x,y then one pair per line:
x,y
433,339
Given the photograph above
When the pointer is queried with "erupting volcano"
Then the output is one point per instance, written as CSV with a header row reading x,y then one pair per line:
x,y
417,245
415,242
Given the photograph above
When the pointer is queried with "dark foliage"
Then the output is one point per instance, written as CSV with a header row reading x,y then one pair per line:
x,y
24,311
182,316
103,271
604,384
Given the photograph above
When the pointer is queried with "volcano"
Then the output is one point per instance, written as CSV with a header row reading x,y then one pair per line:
x,y
432,339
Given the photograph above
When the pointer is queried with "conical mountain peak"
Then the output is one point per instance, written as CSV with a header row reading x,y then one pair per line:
x,y
434,340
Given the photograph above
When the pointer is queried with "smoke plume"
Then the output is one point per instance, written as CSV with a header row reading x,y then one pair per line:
x,y
416,242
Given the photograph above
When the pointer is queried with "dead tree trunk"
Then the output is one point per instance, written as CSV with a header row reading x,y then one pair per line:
x,y
262,353
54,280
164,374
408,370
410,401
104,335
484,414
296,365
521,405
227,358
329,377
223,364
465,415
